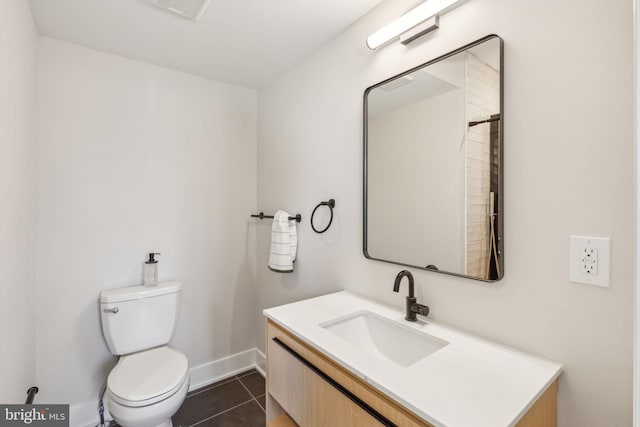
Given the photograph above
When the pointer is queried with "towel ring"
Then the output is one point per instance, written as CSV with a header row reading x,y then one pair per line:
x,y
332,204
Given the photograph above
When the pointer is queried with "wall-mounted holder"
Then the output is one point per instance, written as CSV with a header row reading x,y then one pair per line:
x,y
332,204
261,215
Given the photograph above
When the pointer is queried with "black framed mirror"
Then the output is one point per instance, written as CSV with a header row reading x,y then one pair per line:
x,y
433,175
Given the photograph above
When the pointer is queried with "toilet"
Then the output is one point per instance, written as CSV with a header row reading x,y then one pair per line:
x,y
150,381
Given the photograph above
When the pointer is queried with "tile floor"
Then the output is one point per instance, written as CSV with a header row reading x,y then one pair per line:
x,y
238,401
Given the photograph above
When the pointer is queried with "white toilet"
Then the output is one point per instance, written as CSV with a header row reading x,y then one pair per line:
x,y
150,381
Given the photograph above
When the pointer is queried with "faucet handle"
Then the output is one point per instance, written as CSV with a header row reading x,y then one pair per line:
x,y
420,309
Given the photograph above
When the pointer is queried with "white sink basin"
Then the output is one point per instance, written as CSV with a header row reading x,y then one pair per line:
x,y
384,338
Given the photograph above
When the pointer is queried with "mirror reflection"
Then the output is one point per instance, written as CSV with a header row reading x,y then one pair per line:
x,y
433,165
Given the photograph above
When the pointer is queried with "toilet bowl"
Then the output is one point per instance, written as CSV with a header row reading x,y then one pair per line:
x,y
145,389
150,381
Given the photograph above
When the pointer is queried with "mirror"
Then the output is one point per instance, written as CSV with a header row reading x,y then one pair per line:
x,y
433,165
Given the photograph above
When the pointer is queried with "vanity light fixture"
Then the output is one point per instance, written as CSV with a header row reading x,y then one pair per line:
x,y
406,22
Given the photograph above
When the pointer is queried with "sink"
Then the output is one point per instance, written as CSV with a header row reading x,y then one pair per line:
x,y
384,338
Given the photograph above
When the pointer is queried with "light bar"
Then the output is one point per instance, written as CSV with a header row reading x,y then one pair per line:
x,y
407,21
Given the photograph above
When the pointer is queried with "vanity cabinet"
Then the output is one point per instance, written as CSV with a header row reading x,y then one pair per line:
x,y
312,391
305,388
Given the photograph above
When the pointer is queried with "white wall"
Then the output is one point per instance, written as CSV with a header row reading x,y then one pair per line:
x,y
568,170
18,44
135,158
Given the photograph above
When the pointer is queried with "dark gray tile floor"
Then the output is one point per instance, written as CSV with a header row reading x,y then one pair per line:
x,y
238,401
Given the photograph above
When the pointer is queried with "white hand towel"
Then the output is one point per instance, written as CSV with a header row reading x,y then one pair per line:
x,y
284,243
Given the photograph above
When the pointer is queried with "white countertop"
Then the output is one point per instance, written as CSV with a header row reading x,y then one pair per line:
x,y
468,382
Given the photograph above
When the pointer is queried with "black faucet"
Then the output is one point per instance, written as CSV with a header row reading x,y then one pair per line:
x,y
412,304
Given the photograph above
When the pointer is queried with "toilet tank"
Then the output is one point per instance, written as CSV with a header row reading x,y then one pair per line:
x,y
139,317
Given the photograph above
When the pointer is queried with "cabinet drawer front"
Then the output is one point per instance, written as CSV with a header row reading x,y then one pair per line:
x,y
315,400
284,381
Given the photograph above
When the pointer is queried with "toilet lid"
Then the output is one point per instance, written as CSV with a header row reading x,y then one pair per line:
x,y
148,376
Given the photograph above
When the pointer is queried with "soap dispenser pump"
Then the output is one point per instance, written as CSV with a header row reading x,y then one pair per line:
x,y
151,270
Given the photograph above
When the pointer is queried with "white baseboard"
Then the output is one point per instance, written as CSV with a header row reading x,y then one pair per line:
x,y
85,414
261,363
209,373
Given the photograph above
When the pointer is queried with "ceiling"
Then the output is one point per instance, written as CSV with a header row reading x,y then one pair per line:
x,y
244,42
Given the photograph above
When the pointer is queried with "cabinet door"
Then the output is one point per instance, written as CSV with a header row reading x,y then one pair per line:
x,y
286,380
310,397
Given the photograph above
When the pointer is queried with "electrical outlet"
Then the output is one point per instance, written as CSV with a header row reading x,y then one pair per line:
x,y
589,260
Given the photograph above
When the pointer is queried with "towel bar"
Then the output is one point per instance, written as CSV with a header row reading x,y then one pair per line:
x,y
261,215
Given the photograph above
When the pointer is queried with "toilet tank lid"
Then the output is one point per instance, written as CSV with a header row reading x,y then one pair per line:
x,y
137,292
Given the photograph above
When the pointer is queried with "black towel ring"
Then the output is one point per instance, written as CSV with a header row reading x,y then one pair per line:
x,y
332,204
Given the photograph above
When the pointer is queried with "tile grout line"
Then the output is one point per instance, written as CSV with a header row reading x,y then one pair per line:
x,y
220,413
245,387
247,373
211,386
264,409
251,394
221,382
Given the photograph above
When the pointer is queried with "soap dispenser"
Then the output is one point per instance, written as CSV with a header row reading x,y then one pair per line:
x,y
151,270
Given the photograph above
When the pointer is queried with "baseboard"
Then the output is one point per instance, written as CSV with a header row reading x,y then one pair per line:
x,y
209,373
261,363
85,414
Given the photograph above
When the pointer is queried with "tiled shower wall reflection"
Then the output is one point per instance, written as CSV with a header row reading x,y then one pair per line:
x,y
482,100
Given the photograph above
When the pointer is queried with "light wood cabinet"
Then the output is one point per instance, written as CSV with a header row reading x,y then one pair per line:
x,y
311,399
307,389
313,391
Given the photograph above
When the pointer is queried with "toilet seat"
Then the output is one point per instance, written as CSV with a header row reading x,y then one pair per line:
x,y
148,377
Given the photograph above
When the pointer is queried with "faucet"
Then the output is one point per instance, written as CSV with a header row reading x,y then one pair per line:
x,y
412,304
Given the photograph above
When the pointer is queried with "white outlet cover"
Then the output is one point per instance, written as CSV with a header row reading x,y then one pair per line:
x,y
589,260
602,246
